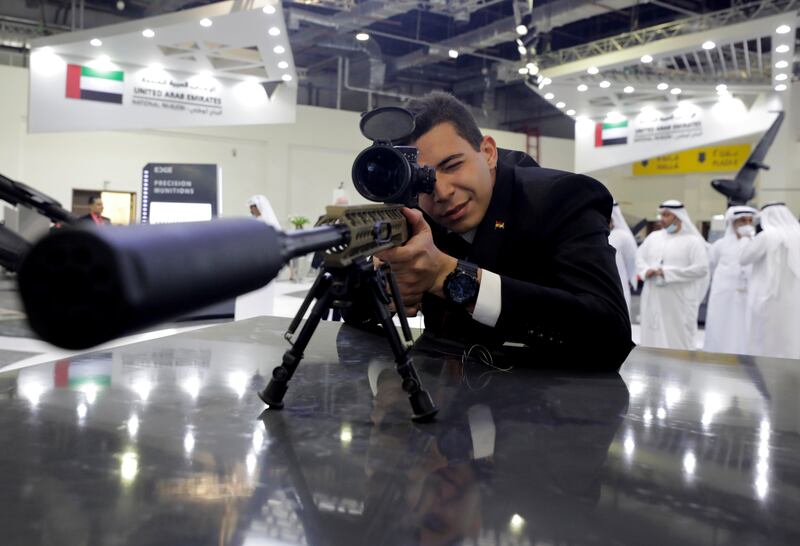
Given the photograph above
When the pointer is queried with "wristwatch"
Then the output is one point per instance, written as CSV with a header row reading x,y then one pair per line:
x,y
461,285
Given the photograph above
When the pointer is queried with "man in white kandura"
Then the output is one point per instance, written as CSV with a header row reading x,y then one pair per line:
x,y
726,328
673,262
259,302
774,299
621,238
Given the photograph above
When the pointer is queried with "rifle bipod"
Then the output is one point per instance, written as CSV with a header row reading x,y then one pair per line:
x,y
334,288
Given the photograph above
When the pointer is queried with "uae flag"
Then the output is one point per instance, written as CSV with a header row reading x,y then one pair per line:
x,y
606,134
90,84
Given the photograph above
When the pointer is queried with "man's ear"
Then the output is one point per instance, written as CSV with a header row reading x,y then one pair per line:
x,y
489,149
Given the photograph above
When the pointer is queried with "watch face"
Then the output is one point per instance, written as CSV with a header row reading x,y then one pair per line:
x,y
461,288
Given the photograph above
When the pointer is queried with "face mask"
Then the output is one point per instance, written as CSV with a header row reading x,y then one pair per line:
x,y
672,228
745,231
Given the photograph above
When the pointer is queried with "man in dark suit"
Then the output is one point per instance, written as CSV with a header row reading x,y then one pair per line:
x,y
508,251
95,212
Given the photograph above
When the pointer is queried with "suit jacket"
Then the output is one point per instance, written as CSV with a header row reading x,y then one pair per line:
x,y
546,234
88,218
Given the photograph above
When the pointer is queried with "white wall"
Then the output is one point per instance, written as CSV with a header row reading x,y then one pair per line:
x,y
297,165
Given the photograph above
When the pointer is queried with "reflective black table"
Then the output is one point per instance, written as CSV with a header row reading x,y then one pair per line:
x,y
165,443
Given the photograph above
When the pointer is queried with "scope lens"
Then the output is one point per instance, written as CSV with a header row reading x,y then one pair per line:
x,y
380,173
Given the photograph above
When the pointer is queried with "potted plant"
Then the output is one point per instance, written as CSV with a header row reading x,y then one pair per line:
x,y
298,221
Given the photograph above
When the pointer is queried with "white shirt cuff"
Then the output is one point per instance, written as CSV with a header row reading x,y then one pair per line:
x,y
488,305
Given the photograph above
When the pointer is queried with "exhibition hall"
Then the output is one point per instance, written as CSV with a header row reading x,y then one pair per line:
x,y
407,272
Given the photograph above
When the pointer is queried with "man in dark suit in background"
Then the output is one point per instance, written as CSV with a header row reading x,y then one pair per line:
x,y
508,251
95,212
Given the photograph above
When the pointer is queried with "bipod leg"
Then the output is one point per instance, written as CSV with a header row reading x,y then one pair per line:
x,y
313,292
273,393
422,407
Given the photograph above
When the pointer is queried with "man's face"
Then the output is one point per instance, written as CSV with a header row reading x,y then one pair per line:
x,y
464,177
254,211
96,207
667,218
743,221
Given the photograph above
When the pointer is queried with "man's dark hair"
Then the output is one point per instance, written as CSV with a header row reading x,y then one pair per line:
x,y
439,107
93,198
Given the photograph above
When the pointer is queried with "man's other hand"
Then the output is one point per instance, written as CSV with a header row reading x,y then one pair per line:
x,y
418,265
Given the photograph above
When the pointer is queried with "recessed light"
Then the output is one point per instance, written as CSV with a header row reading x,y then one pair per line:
x,y
781,77
629,89
546,81
148,33
561,104
709,45
676,91
570,112
523,70
269,9
783,48
662,86
453,53
533,68
549,96
206,22
279,49
583,87
592,70
605,84
780,87
362,36
275,31
283,64
522,50
286,77
783,29
781,64
522,30
96,42
647,59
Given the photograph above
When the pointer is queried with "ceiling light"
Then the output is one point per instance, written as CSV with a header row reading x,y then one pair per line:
x,y
780,87
605,84
676,91
592,70
782,49
646,59
547,81
783,29
722,87
523,70
453,53
95,42
570,112
279,49
269,9
275,31
583,87
709,45
205,22
662,86
148,33
549,96
286,77
522,30
522,50
781,77
533,69
629,89
283,64
561,104
781,64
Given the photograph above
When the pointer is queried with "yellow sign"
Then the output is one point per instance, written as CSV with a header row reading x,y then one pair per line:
x,y
697,160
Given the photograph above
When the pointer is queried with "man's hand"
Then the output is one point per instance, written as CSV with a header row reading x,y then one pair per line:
x,y
657,272
418,265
